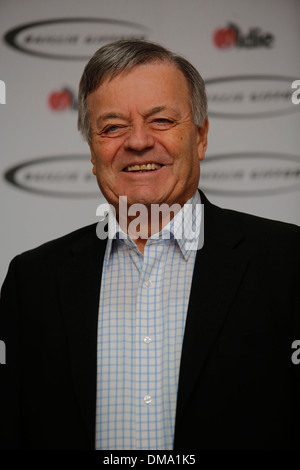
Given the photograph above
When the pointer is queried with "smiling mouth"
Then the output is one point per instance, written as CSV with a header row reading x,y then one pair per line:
x,y
139,168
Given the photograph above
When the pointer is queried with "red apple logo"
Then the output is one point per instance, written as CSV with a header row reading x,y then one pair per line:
x,y
224,38
60,100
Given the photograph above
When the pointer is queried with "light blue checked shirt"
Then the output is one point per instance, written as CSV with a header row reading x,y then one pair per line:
x,y
142,312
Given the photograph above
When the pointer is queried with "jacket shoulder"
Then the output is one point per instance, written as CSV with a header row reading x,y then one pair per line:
x,y
59,248
261,225
251,223
227,225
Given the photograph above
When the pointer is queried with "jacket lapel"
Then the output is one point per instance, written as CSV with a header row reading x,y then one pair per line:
x,y
80,280
219,267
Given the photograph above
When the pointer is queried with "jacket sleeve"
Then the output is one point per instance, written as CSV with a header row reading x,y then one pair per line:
x,y
295,357
10,367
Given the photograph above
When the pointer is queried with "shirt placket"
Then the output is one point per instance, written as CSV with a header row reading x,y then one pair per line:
x,y
148,349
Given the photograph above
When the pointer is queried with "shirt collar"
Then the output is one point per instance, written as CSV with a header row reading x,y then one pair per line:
x,y
114,232
184,228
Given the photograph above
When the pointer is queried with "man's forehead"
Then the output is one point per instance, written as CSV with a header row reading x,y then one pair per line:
x,y
153,64
170,91
147,69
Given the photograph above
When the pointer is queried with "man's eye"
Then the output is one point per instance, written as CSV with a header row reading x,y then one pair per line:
x,y
161,124
163,121
111,129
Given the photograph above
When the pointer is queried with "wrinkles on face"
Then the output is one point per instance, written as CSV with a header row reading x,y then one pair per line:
x,y
144,118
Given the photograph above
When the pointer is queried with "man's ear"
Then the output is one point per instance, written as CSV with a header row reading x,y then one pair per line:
x,y
93,160
202,138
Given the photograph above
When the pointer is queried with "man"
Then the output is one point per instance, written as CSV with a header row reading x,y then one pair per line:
x,y
139,341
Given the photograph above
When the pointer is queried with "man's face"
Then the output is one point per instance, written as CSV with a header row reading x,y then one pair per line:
x,y
144,118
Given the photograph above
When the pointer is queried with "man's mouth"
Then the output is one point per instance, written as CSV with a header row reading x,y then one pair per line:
x,y
144,167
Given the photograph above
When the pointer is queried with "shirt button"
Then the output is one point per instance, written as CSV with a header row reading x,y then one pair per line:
x,y
147,340
148,283
147,399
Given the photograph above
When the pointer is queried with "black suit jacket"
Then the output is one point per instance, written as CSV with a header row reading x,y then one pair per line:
x,y
238,388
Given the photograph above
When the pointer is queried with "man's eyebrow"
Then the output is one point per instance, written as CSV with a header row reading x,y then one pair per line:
x,y
158,109
150,112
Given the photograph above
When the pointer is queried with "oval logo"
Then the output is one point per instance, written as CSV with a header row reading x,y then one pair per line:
x,y
250,174
58,176
250,96
70,38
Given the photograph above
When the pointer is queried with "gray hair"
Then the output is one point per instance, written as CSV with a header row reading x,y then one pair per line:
x,y
121,57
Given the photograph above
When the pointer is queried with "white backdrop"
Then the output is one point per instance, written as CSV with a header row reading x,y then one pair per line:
x,y
248,54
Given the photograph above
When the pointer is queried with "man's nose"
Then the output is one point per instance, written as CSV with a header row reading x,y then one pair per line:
x,y
139,138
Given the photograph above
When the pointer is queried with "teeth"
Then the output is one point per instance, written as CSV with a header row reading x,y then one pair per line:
x,y
149,166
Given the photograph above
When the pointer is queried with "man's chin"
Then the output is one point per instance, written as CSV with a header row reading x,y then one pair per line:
x,y
145,199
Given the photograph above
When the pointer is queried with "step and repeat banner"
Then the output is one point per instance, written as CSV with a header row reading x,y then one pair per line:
x,y
248,54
